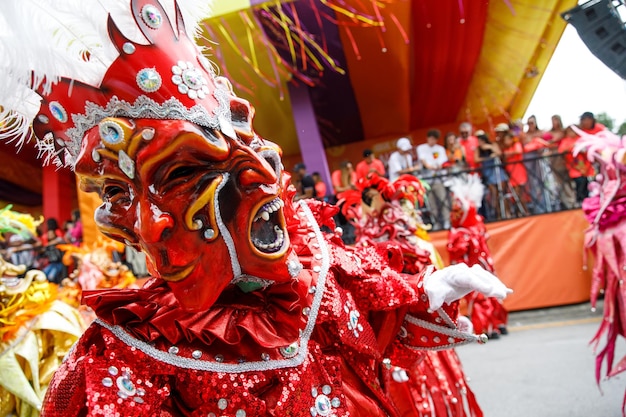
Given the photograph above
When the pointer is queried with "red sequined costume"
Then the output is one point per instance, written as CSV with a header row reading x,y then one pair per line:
x,y
467,243
146,356
434,385
605,209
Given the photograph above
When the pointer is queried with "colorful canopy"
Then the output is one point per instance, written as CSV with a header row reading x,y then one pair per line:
x,y
383,68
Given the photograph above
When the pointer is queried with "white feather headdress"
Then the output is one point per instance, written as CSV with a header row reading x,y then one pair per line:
x,y
42,41
467,187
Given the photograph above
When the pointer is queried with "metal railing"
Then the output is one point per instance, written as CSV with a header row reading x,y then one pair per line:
x,y
547,189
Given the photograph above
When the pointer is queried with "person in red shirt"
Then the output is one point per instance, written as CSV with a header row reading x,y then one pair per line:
x,y
320,186
368,165
518,177
579,168
343,179
469,144
589,124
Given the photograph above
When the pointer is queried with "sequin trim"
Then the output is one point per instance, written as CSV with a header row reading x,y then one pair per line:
x,y
144,108
465,337
298,359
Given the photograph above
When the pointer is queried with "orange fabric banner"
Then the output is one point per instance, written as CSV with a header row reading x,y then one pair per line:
x,y
539,257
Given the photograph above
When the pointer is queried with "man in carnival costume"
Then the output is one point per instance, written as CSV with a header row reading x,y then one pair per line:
x,y
467,244
385,214
252,310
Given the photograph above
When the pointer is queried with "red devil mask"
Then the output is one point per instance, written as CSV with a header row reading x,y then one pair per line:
x,y
172,153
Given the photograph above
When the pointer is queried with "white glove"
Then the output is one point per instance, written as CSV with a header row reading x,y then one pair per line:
x,y
454,282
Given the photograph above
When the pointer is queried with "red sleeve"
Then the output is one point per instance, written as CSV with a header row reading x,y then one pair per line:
x,y
361,170
66,394
335,178
378,166
457,246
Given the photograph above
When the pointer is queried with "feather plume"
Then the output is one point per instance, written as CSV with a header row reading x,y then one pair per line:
x,y
601,147
43,40
467,187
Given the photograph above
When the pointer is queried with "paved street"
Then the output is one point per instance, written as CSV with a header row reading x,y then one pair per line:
x,y
543,368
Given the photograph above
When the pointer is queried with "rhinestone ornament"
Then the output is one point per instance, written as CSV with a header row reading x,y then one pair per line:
x,y
128,48
58,111
126,164
189,80
151,16
147,134
95,155
43,118
289,351
149,80
126,387
222,403
111,132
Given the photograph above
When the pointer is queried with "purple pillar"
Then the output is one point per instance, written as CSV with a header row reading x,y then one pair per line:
x,y
311,145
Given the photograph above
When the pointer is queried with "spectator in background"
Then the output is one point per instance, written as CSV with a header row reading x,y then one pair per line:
x,y
401,161
487,154
76,232
513,157
579,167
67,227
567,194
320,186
54,268
502,129
368,165
454,151
589,124
343,179
469,144
534,145
305,186
556,132
432,156
22,250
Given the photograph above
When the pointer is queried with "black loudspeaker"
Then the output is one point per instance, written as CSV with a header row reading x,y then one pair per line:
x,y
601,28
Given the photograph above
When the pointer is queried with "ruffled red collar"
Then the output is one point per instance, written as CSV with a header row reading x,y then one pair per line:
x,y
270,318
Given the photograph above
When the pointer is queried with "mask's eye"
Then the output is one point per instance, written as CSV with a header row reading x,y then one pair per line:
x,y
180,172
111,192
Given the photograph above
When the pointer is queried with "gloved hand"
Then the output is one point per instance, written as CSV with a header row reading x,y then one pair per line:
x,y
454,282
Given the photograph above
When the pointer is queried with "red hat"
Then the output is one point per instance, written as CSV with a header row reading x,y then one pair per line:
x,y
163,76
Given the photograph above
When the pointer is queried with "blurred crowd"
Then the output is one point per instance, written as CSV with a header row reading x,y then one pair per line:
x,y
525,169
59,251
40,250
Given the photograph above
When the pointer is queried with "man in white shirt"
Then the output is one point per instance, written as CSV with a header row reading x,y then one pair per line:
x,y
401,161
433,156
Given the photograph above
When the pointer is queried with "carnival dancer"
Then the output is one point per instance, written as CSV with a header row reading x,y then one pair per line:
x,y
605,209
467,244
383,212
251,310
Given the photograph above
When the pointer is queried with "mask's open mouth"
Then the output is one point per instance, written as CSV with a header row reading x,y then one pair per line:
x,y
267,231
